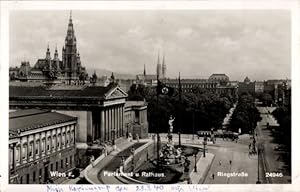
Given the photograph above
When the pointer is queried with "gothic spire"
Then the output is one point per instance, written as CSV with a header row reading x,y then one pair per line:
x,y
164,67
70,19
70,32
48,52
158,67
56,53
112,76
144,70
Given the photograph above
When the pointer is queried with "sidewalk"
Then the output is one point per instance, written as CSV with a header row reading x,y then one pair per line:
x,y
203,166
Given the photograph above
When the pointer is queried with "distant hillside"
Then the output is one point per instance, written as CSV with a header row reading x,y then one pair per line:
x,y
102,72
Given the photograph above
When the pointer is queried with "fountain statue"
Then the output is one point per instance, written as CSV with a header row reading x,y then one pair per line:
x,y
168,154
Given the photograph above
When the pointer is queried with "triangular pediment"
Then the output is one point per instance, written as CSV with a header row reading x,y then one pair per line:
x,y
116,92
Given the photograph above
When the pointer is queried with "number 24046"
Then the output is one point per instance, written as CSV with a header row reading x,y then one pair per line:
x,y
273,174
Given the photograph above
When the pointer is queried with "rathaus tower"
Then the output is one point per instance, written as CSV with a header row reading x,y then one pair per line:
x,y
70,56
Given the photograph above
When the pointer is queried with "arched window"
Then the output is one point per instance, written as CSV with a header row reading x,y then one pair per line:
x,y
37,147
24,151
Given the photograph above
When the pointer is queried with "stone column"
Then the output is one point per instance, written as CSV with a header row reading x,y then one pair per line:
x,y
40,145
89,127
114,121
106,123
118,124
122,121
119,121
109,123
33,147
27,157
102,126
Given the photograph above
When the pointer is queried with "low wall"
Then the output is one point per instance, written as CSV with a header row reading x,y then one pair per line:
x,y
89,167
141,155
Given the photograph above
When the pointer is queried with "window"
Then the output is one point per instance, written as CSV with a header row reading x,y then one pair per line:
x,y
27,179
68,136
63,139
62,164
72,136
43,144
67,161
33,176
56,165
37,147
137,115
48,143
58,141
21,180
51,167
53,142
71,160
31,149
24,152
18,153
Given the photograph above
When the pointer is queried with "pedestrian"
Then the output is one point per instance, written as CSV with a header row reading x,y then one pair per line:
x,y
213,176
230,162
249,146
220,162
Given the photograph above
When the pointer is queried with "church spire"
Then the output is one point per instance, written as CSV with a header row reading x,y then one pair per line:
x,y
144,70
164,67
70,32
56,53
70,19
158,67
48,52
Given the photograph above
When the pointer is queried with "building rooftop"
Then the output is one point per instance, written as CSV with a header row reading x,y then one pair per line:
x,y
29,119
42,91
135,104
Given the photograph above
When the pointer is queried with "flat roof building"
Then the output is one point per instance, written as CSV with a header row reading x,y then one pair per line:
x,y
40,142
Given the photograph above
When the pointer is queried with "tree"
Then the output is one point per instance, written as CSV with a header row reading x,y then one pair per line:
x,y
266,99
245,116
209,109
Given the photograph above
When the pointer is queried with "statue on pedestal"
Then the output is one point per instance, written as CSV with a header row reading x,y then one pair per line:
x,y
171,120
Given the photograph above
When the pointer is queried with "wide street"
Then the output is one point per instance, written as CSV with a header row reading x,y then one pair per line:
x,y
242,163
273,162
226,150
232,163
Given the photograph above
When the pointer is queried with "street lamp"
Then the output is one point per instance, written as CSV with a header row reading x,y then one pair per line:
x,y
179,139
195,167
204,143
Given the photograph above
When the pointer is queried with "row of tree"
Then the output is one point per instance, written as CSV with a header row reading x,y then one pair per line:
x,y
245,115
283,134
199,110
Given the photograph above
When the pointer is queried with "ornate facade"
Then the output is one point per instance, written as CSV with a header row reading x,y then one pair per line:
x,y
135,119
69,69
40,141
217,83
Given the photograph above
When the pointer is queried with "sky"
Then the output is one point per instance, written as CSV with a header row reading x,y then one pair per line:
x,y
196,43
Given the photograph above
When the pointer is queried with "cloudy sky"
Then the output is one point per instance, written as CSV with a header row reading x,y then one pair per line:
x,y
254,43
